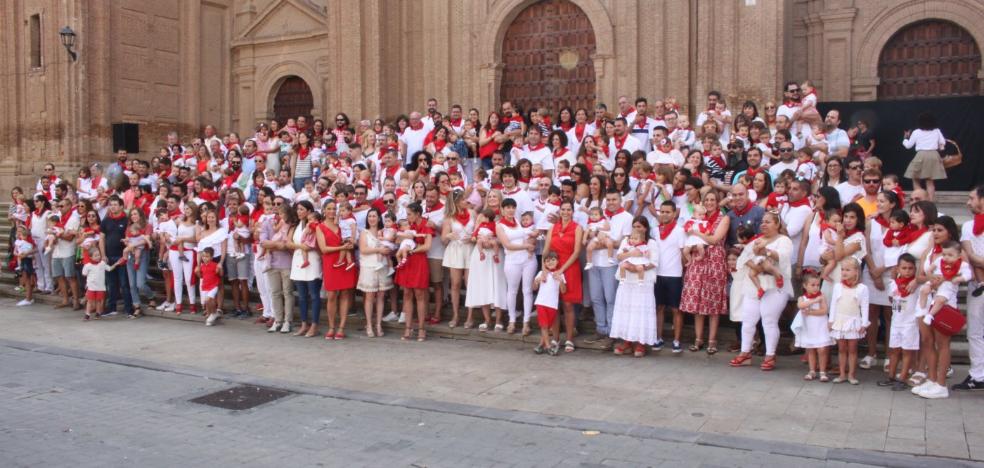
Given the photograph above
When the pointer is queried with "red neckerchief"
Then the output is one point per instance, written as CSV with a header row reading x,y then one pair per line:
x,y
332,148
666,229
302,152
850,232
39,211
712,218
753,171
463,217
538,147
643,123
562,174
619,144
95,182
255,215
455,123
439,145
739,212
812,296
507,222
882,221
610,214
511,192
679,193
436,207
566,126
848,284
232,178
951,270
719,160
790,103
902,285
937,249
626,115
487,225
978,224
63,220
898,191
805,201
524,180
906,235
391,170
452,170
637,244
559,152
419,126
497,186
554,203
174,215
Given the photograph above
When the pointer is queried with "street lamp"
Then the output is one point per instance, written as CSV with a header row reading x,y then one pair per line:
x,y
68,40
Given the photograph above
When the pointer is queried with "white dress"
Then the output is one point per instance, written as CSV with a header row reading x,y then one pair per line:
x,y
815,332
848,312
876,237
635,305
486,281
457,254
835,276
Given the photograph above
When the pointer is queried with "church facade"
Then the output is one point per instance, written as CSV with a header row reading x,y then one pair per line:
x,y
181,64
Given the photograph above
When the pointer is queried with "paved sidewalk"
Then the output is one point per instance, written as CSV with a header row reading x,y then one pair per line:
x,y
692,392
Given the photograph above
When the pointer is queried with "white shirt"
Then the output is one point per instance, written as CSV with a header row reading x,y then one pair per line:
x,y
787,111
95,276
287,191
674,157
542,156
522,198
795,220
548,295
414,140
643,134
778,168
925,140
671,253
619,226
631,145
436,218
836,140
66,248
849,192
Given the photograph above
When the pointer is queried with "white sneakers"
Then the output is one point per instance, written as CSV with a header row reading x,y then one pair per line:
x,y
25,302
211,319
403,318
931,390
162,306
286,327
273,328
588,266
867,361
391,317
169,307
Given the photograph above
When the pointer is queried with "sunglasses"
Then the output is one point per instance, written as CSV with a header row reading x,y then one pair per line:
x,y
854,167
388,202
872,181
794,90
785,150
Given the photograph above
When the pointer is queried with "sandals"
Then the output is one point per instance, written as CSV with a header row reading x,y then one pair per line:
x,y
407,335
639,350
482,328
498,327
511,328
741,360
467,325
370,333
330,335
568,346
824,378
712,348
810,376
340,335
622,348
526,329
697,346
453,323
422,335
768,364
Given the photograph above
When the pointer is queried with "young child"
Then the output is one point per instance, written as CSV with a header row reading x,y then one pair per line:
x,y
599,235
529,228
548,209
890,183
240,231
954,271
95,283
903,339
848,319
899,234
310,236
388,237
134,244
809,115
90,240
24,253
636,264
814,336
806,169
407,243
484,235
347,227
828,232
208,271
693,246
479,187
778,197
51,233
549,286
563,172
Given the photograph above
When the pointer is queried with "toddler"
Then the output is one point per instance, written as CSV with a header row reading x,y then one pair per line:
x,y
388,237
549,286
848,319
890,183
529,229
828,232
24,253
808,113
548,209
347,227
262,256
51,233
903,339
310,236
899,234
239,232
208,271
814,333
407,242
778,197
134,243
484,235
806,169
693,246
599,235
954,271
95,283
635,264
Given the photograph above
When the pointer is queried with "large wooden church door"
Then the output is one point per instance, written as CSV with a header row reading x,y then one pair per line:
x,y
932,58
547,55
293,99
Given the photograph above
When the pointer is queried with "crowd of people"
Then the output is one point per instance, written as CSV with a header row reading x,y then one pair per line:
x,y
630,215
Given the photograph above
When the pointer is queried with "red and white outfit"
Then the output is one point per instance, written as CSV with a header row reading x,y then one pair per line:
x,y
616,144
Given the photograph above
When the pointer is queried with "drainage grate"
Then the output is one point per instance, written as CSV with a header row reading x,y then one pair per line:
x,y
241,398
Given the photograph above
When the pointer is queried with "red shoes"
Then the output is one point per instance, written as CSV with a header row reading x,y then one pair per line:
x,y
741,360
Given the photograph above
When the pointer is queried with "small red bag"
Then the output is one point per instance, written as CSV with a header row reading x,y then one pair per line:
x,y
949,321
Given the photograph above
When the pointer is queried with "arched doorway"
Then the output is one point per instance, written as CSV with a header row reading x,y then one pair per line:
x,y
547,57
932,58
293,99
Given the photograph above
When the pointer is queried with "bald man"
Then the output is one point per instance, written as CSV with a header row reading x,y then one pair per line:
x,y
743,211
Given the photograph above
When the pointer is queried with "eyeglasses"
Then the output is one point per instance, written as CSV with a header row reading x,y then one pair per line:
x,y
872,181
794,90
854,167
389,202
770,107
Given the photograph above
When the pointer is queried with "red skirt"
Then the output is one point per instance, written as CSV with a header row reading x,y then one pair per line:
x,y
572,276
415,274
337,278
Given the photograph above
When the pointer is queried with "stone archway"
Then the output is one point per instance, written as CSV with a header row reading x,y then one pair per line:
x,y
930,58
292,99
547,56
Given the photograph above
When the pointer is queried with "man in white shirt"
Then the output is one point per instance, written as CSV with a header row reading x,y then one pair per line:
x,y
428,120
851,189
837,140
63,255
434,215
723,119
508,177
787,160
790,101
669,274
641,125
536,152
620,141
600,114
625,109
413,137
972,238
795,213
285,186
665,154
602,282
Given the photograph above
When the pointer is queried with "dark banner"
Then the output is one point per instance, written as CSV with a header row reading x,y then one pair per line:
x,y
960,119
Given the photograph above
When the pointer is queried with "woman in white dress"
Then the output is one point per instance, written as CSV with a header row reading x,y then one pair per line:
x,y
486,279
634,320
306,279
879,306
374,277
747,306
854,245
459,222
519,264
810,244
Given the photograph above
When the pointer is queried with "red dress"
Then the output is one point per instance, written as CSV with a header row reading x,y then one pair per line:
x,y
415,274
705,283
335,278
562,241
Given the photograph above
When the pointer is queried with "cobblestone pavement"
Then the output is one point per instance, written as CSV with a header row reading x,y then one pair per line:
x,y
115,393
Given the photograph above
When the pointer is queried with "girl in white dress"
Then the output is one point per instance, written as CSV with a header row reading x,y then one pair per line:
x,y
814,331
634,320
848,318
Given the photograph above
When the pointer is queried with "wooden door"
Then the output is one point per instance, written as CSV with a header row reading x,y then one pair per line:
x,y
293,99
933,58
547,61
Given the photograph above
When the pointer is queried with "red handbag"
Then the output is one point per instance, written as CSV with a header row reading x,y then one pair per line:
x,y
949,321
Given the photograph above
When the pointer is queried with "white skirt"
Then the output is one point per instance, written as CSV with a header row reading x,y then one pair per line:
x,y
486,281
635,313
816,332
457,255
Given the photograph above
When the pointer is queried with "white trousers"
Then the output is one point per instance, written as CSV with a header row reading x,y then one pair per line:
x,y
768,309
263,285
182,272
520,274
42,266
975,332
